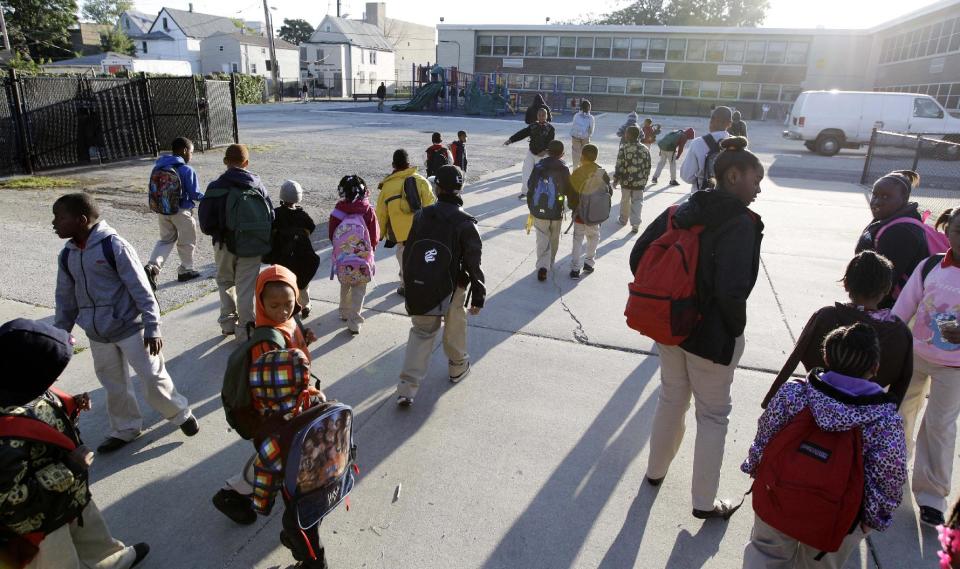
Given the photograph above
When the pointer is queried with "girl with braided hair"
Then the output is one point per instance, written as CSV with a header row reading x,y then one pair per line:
x,y
931,298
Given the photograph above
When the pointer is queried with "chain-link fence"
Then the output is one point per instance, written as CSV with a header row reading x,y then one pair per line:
x,y
936,160
55,122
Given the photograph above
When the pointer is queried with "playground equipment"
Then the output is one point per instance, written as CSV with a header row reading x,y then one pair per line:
x,y
423,98
488,95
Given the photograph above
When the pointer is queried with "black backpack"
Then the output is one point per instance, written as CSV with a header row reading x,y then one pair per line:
x,y
428,262
437,159
708,180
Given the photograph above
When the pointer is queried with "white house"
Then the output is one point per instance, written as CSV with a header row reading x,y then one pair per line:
x,y
177,34
412,43
349,56
134,23
248,53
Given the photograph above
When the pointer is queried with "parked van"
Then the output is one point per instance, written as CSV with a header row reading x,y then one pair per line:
x,y
827,121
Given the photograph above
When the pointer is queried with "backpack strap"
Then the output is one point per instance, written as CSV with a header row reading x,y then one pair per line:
x,y
64,255
712,143
929,265
340,214
267,334
21,427
106,248
898,221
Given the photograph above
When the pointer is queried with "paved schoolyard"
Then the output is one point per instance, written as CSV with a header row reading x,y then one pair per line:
x,y
537,459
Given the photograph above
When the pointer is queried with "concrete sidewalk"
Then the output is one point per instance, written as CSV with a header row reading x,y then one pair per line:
x,y
537,459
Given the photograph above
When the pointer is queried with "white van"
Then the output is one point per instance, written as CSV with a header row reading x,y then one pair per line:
x,y
827,121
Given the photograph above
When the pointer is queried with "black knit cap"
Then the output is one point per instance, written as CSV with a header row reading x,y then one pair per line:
x,y
34,355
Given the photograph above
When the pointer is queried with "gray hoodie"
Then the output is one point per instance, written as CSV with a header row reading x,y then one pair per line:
x,y
109,304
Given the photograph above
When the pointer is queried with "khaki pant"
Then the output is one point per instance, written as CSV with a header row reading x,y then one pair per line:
x,y
937,439
528,163
110,364
398,251
423,332
179,229
631,205
683,374
87,546
548,241
351,303
237,283
770,548
592,235
665,157
576,149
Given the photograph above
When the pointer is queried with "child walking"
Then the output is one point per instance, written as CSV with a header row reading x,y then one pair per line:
x,y
49,516
172,175
931,298
793,446
102,286
291,245
430,299
671,148
237,253
547,189
459,151
631,173
356,247
581,178
867,280
581,129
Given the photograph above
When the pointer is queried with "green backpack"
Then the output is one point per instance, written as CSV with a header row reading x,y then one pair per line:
x,y
670,141
249,220
235,394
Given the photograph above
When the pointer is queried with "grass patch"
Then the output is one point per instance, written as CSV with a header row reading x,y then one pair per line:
x,y
38,183
261,147
78,349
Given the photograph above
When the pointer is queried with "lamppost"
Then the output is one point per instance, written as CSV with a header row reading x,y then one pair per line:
x,y
458,50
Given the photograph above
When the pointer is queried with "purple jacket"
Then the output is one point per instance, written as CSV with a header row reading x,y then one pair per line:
x,y
841,403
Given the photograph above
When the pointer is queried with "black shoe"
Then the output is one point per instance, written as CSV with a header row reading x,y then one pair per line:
x,y
653,180
152,273
141,549
588,268
931,516
190,427
674,183
723,510
655,481
235,506
111,444
188,276
575,275
404,401
304,313
401,292
523,197
542,275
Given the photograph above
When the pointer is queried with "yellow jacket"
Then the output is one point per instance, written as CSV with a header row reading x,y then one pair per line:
x,y
395,217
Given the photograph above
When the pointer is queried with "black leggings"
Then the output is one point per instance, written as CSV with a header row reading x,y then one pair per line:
x,y
304,543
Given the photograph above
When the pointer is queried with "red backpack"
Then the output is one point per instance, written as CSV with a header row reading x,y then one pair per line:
x,y
809,484
663,295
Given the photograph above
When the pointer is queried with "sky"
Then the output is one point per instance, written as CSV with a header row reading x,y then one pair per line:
x,y
782,13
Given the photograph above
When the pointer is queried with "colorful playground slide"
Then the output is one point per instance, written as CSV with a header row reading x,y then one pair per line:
x,y
422,99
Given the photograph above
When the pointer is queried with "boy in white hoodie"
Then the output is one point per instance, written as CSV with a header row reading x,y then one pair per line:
x,y
581,129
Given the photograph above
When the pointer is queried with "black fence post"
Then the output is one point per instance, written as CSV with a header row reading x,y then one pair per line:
x,y
916,153
866,163
19,117
233,107
151,120
196,105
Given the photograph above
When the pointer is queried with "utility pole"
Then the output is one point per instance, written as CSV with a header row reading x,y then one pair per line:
x,y
275,72
3,28
338,8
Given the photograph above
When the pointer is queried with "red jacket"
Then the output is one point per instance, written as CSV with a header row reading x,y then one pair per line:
x,y
369,217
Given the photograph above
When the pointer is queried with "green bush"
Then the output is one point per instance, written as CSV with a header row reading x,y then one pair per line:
x,y
249,87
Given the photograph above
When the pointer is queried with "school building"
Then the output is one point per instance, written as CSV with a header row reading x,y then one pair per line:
x,y
685,70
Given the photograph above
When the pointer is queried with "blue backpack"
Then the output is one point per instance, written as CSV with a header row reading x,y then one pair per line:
x,y
544,198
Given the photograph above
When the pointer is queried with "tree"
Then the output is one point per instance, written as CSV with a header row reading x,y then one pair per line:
x,y
118,42
105,11
733,13
38,28
295,31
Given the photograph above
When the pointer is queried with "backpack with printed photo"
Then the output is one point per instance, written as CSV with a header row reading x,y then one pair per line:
x,y
352,259
545,199
165,191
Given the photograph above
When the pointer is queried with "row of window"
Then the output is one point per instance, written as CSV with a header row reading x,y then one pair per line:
x,y
365,54
655,49
948,94
934,39
655,87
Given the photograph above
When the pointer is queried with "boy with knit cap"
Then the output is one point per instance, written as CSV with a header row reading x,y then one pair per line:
x,y
236,273
49,516
583,181
291,245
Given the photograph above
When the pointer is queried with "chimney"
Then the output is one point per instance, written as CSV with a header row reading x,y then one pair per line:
x,y
190,9
376,14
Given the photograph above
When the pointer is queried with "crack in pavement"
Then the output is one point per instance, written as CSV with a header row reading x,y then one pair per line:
x,y
776,298
579,333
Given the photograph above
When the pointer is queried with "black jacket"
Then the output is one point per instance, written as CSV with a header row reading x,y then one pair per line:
x,y
459,151
382,92
904,244
538,103
540,136
291,246
212,212
738,128
467,245
727,270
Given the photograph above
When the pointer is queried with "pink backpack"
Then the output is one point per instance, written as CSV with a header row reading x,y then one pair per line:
x,y
936,242
352,260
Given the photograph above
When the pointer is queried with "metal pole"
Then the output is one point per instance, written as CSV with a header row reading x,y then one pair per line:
x,y
3,29
916,154
273,54
233,105
866,163
19,116
151,120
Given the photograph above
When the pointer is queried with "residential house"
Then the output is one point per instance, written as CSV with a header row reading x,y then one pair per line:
x,y
413,44
177,34
85,37
241,52
134,23
349,56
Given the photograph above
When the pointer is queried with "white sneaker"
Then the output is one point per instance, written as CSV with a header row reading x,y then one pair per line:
x,y
463,374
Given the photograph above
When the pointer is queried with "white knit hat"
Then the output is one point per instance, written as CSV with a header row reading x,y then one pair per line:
x,y
291,192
